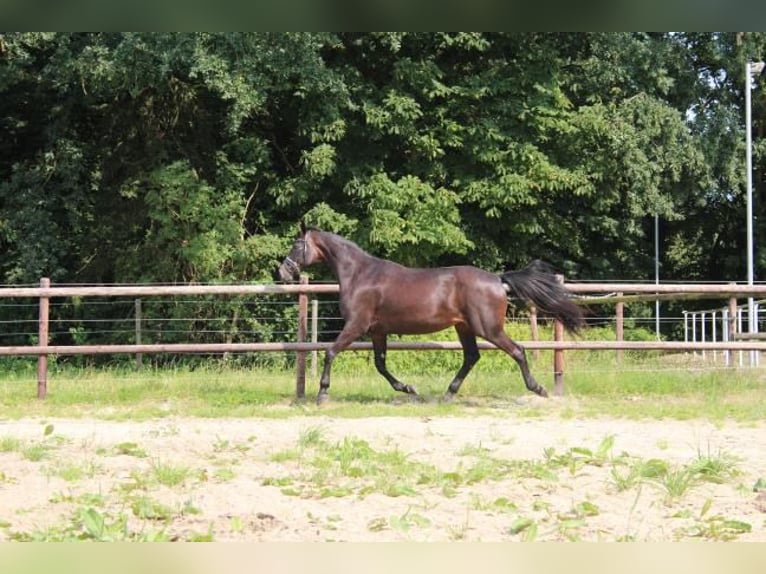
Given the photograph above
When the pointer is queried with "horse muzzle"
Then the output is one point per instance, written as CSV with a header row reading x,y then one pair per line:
x,y
289,271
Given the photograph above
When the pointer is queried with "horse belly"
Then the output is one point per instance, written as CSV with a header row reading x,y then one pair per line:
x,y
414,320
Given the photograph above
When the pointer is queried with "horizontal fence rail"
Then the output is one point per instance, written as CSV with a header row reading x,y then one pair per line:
x,y
717,290
757,344
584,293
160,290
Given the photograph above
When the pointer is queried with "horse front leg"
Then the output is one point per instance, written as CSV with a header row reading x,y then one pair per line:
x,y
348,335
379,346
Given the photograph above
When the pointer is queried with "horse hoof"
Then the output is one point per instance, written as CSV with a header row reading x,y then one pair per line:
x,y
448,397
322,399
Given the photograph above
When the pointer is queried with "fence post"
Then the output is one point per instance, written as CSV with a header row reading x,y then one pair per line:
x,y
558,354
42,340
139,356
314,335
619,326
300,356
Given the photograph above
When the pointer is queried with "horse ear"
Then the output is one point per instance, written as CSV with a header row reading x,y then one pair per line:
x,y
303,227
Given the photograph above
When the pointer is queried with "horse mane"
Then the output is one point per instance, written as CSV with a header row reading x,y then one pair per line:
x,y
338,239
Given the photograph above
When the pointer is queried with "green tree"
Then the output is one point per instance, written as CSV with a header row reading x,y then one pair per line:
x,y
192,156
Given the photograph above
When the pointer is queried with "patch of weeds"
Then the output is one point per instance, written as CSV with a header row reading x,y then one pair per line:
x,y
236,525
10,444
570,529
73,471
487,468
584,509
312,437
677,482
409,520
224,474
719,528
169,430
188,509
87,499
637,472
207,537
87,523
283,481
36,452
524,526
286,455
147,508
290,491
539,470
169,474
718,469
130,449
330,522
138,481
501,504
336,492
460,532
353,467
473,450
714,528
225,445
378,524
571,523
568,525
577,457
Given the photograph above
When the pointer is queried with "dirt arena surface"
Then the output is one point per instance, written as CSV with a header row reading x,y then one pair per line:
x,y
318,478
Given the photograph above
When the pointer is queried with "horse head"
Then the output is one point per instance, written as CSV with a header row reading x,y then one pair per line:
x,y
303,253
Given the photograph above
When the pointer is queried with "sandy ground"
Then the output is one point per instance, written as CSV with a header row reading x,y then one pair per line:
x,y
241,485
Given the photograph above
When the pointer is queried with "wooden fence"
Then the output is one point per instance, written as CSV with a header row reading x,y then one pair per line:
x,y
587,293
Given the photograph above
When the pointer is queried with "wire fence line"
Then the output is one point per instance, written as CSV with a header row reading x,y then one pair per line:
x,y
89,322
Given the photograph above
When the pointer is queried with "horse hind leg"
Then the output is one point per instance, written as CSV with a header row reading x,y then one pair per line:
x,y
379,346
470,358
516,351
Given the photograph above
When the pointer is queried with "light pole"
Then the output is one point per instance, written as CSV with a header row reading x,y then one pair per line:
x,y
657,272
750,69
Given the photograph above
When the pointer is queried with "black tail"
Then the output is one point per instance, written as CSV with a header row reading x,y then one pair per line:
x,y
536,284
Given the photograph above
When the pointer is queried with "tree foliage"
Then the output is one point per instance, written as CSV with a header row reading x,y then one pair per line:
x,y
192,156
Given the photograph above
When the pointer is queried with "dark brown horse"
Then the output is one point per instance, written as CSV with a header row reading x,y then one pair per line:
x,y
379,297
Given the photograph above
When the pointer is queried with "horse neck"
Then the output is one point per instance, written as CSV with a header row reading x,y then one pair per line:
x,y
341,255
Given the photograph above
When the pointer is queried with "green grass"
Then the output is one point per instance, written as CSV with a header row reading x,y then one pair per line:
x,y
169,474
595,385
